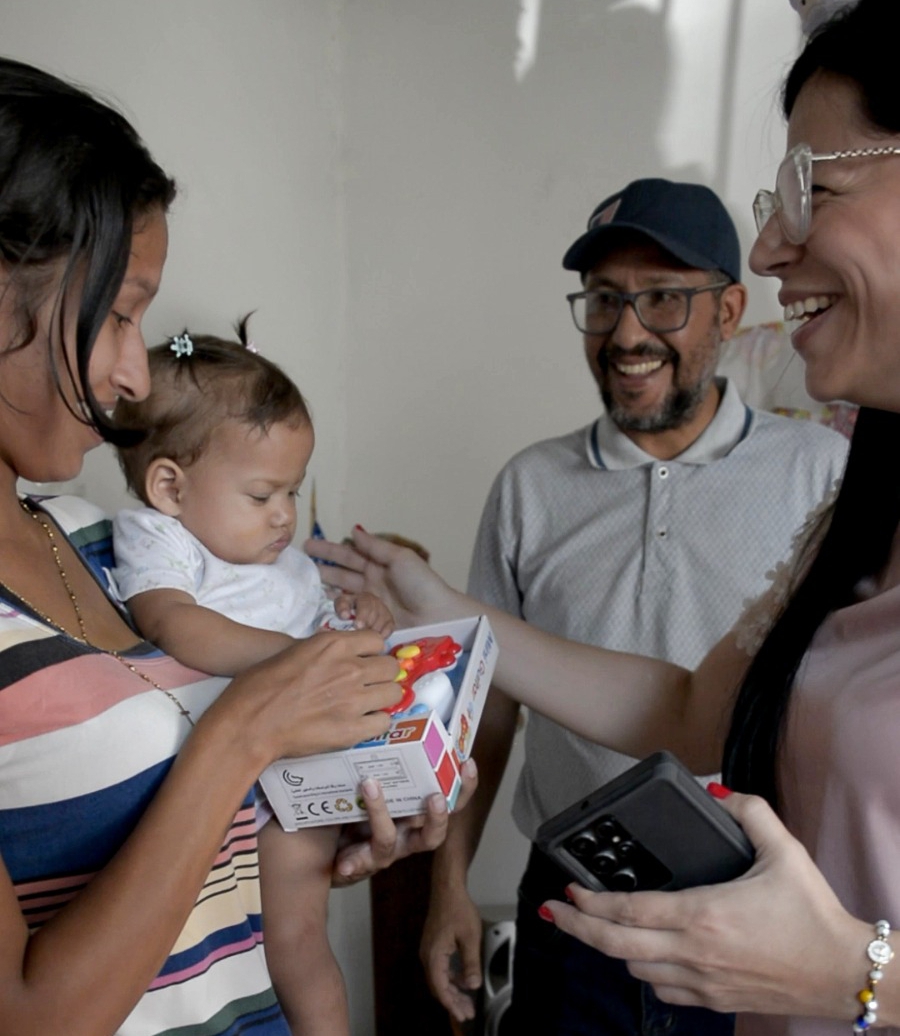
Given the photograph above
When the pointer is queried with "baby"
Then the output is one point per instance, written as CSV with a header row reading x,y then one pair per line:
x,y
209,574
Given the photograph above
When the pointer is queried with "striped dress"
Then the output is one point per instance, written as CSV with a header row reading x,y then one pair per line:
x,y
84,745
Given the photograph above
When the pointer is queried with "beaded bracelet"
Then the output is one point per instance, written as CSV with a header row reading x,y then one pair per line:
x,y
879,953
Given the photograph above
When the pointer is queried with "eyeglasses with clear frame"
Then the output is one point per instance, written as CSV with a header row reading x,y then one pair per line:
x,y
791,201
660,310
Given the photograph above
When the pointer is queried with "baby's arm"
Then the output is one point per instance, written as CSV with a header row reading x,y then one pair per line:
x,y
369,611
199,637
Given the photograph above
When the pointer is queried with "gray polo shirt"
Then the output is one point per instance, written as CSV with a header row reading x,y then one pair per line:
x,y
591,538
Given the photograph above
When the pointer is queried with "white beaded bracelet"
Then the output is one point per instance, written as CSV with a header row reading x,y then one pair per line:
x,y
879,953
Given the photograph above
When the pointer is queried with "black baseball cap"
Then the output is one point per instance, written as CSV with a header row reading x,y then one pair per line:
x,y
686,219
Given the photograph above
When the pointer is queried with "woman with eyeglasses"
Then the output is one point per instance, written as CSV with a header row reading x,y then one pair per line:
x,y
800,705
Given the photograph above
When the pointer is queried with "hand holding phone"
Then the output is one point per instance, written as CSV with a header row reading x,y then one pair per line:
x,y
653,827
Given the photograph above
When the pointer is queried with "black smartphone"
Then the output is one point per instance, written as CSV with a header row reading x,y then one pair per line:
x,y
653,827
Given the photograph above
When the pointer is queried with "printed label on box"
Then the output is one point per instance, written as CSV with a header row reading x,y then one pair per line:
x,y
389,771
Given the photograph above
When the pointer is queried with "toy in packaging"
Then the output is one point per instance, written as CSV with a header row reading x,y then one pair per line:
x,y
448,671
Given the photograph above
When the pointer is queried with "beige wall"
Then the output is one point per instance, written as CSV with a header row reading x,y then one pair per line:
x,y
371,177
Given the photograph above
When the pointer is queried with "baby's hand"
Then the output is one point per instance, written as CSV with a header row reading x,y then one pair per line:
x,y
367,611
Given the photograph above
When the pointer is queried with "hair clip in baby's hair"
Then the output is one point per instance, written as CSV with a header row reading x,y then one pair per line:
x,y
251,347
182,345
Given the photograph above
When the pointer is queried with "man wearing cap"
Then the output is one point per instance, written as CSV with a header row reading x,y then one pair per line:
x,y
646,532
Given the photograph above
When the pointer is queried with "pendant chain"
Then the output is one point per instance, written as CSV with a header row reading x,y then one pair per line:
x,y
54,547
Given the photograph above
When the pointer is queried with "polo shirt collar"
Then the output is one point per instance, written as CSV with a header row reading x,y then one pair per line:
x,y
609,447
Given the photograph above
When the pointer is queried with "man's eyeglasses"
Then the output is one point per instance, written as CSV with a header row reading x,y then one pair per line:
x,y
791,201
660,310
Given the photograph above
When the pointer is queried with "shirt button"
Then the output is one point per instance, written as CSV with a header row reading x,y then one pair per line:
x,y
663,472
662,533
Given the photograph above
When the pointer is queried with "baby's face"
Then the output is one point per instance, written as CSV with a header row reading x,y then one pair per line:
x,y
240,497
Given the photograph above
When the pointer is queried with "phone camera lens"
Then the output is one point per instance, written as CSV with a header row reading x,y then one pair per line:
x,y
624,880
605,828
582,844
625,849
604,861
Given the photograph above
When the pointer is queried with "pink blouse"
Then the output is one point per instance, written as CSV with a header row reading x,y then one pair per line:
x,y
840,775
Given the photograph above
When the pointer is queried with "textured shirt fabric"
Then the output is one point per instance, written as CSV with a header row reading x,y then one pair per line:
x,y
839,777
588,537
84,746
154,551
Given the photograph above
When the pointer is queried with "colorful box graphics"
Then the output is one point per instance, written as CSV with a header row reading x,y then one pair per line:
x,y
418,756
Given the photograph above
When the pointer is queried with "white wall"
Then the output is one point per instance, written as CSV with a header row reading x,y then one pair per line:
x,y
463,190
375,181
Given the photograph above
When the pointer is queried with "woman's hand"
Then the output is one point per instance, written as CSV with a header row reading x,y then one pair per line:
x,y
775,941
370,847
326,692
412,590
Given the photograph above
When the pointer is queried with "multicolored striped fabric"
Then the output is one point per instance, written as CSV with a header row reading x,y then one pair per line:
x,y
84,745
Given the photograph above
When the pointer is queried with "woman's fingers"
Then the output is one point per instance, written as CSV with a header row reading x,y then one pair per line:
x,y
327,692
623,924
397,575
774,940
345,565
759,821
383,840
469,775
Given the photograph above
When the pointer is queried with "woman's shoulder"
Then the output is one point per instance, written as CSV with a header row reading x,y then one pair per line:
x,y
74,513
87,526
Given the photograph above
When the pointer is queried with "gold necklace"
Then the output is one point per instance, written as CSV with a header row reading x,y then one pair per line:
x,y
51,536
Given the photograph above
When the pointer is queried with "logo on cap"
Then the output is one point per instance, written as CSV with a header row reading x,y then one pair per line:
x,y
606,215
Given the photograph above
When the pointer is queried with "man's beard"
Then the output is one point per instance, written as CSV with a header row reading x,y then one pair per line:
x,y
677,409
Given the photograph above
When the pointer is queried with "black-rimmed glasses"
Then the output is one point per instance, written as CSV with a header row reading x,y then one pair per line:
x,y
660,310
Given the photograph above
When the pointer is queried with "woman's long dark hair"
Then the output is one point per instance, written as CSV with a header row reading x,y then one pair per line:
x,y
74,178
857,544
859,46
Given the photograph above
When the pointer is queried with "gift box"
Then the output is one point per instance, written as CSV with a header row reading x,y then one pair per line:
x,y
420,754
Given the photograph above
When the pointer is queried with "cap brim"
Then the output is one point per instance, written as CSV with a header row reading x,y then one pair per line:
x,y
585,252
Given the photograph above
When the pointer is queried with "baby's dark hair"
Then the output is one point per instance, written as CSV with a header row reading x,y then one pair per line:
x,y
194,389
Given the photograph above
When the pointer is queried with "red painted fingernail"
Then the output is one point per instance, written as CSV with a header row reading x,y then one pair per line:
x,y
358,526
718,791
569,895
544,913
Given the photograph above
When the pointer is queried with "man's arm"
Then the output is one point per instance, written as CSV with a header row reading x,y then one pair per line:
x,y
452,935
453,923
